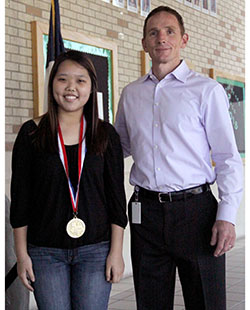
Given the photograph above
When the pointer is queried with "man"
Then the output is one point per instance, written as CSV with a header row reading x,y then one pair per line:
x,y
171,121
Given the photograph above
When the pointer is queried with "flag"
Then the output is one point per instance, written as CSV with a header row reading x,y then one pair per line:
x,y
55,45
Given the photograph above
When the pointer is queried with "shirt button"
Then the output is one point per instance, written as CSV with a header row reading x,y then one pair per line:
x,y
157,103
158,169
156,125
156,146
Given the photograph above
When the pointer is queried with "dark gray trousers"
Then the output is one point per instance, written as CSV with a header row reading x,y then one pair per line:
x,y
176,235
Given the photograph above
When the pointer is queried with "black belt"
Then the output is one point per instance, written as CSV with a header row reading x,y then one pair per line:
x,y
173,196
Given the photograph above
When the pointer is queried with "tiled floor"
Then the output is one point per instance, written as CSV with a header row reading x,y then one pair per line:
x,y
123,297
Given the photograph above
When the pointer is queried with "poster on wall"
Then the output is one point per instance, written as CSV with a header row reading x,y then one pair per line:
x,y
197,4
213,8
119,3
188,2
235,90
145,7
102,53
133,6
205,7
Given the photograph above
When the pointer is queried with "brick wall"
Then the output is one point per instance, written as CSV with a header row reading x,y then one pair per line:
x,y
215,42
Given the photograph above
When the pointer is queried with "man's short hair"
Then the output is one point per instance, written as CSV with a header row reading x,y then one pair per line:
x,y
168,10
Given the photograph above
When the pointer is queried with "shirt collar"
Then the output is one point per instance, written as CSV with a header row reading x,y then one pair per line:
x,y
180,73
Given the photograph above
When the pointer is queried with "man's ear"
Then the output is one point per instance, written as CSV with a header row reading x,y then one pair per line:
x,y
144,45
184,40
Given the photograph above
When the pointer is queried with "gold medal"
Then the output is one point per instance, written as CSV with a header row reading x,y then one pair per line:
x,y
75,228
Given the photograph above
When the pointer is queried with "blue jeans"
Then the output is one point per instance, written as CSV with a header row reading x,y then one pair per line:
x,y
71,279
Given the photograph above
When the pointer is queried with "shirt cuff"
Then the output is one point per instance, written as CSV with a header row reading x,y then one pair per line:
x,y
226,213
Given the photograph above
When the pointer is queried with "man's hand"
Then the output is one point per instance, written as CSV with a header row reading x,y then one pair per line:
x,y
223,234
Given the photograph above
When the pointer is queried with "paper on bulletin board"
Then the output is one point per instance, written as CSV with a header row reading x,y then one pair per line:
x,y
100,105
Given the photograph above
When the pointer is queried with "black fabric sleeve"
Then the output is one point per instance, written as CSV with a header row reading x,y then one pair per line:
x,y
114,179
21,189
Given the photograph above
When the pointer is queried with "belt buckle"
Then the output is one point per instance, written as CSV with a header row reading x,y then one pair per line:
x,y
163,201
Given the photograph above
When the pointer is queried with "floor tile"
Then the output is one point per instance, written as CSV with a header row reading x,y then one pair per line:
x,y
123,305
235,296
123,295
240,306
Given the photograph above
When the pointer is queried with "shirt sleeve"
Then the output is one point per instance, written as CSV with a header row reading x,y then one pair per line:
x,y
228,163
114,180
21,180
121,127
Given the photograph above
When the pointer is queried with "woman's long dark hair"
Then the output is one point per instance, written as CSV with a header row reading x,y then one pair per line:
x,y
46,134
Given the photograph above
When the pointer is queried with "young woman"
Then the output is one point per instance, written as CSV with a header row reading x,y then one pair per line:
x,y
68,206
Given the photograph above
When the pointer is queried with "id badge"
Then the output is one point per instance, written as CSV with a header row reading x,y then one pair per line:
x,y
136,213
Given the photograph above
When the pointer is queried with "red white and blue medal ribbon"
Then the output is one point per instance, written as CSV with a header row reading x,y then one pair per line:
x,y
76,227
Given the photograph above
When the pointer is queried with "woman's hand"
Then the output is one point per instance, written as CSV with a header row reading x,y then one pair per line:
x,y
114,262
24,263
25,272
114,267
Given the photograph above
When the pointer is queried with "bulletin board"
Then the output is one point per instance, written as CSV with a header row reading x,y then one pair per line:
x,y
146,63
102,53
235,89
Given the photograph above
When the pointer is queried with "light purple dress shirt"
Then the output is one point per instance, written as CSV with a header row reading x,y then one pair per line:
x,y
172,128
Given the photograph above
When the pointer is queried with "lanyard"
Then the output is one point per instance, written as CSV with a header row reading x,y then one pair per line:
x,y
81,155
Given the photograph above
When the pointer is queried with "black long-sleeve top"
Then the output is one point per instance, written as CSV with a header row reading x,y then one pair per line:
x,y
40,195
